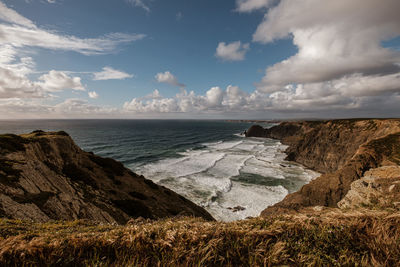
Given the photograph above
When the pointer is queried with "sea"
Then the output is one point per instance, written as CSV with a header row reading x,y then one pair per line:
x,y
209,162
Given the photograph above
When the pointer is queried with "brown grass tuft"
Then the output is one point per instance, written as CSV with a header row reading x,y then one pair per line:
x,y
331,237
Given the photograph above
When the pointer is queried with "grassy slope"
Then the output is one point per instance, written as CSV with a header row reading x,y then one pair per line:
x,y
330,237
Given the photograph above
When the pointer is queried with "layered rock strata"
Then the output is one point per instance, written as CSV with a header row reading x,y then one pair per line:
x,y
46,176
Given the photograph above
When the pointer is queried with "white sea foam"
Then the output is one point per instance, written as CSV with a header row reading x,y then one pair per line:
x,y
253,198
223,145
205,175
191,163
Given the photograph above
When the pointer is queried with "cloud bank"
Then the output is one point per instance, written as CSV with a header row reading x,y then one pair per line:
x,y
335,39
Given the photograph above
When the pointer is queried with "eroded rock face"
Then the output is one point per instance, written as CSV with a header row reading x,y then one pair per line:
x,y
45,176
342,150
379,188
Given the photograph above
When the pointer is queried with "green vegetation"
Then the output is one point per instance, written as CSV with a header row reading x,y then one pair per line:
x,y
329,238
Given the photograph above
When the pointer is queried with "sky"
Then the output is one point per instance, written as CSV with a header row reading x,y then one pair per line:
x,y
199,59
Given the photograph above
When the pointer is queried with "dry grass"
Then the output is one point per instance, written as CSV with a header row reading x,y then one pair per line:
x,y
332,238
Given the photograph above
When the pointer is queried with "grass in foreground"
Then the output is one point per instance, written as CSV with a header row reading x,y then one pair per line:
x,y
331,238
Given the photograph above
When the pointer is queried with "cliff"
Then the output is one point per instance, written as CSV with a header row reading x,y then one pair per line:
x,y
46,176
342,150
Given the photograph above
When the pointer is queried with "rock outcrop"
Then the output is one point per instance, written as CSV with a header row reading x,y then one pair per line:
x,y
255,131
379,188
46,176
342,150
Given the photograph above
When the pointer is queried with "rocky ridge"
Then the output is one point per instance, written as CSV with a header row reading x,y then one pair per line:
x,y
46,176
342,150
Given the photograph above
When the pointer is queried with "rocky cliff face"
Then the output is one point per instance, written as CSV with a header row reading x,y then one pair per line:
x,y
46,176
379,188
342,150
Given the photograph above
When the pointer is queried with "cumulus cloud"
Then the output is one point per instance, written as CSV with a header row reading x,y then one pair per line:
x,y
56,81
334,40
93,95
169,78
154,95
14,82
214,97
139,3
251,5
14,85
17,85
234,51
109,73
214,100
338,97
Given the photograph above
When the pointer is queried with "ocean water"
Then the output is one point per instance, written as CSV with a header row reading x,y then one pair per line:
x,y
209,162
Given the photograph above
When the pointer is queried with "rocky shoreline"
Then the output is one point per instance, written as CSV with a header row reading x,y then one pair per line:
x,y
342,150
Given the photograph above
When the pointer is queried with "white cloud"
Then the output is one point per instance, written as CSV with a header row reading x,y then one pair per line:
x,y
79,107
165,105
70,108
19,31
214,97
19,108
56,81
14,85
109,73
11,16
19,36
93,95
251,5
14,82
17,85
154,95
139,3
169,78
335,39
214,100
234,51
14,60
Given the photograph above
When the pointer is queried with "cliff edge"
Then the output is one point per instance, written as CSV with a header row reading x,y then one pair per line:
x,y
46,176
342,150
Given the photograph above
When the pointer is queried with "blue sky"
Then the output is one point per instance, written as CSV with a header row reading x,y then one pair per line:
x,y
189,51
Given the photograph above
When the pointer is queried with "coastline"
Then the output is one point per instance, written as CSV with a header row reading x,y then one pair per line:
x,y
361,231
341,150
